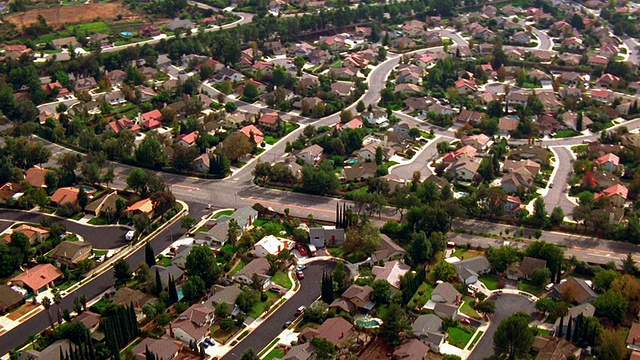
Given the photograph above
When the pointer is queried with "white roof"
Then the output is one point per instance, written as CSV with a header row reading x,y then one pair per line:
x,y
452,260
274,245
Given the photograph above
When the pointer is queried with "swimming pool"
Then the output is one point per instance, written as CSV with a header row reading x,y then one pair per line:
x,y
126,33
352,161
88,189
369,323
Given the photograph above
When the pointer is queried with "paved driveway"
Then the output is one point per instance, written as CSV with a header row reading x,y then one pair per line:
x,y
100,237
506,304
266,332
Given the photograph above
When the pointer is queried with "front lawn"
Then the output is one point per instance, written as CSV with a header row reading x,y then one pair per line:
x,y
223,213
270,140
490,281
464,253
282,278
99,220
220,335
351,257
467,309
422,295
476,339
565,133
529,287
260,307
163,260
277,353
458,337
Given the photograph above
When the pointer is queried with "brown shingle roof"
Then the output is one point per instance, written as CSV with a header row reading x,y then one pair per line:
x,y
35,176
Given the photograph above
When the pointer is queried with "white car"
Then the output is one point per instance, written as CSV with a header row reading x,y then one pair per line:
x,y
129,235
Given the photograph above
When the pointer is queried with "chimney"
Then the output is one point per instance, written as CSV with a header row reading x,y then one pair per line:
x,y
171,330
457,299
341,335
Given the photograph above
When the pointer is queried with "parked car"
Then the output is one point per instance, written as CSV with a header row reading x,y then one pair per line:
x,y
210,341
300,275
129,235
465,321
204,344
287,324
302,250
301,267
300,310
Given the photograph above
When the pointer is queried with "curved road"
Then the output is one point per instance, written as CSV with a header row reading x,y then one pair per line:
x,y
506,305
100,237
309,291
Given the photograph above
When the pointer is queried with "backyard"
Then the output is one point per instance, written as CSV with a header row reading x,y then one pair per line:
x,y
422,295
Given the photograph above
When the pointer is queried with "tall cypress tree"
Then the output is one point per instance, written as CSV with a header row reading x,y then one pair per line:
x,y
173,292
159,287
578,328
133,320
149,256
560,327
569,329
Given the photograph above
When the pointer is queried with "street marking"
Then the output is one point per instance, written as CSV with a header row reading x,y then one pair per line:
x,y
190,188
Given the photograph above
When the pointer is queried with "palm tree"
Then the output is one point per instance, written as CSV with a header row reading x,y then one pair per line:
x,y
46,302
57,299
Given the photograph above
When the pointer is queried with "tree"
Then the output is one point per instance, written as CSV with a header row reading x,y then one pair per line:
x,y
158,286
194,288
540,276
557,216
629,265
486,307
612,345
444,271
394,325
249,355
83,199
236,145
549,252
569,331
360,107
539,217
121,272
612,306
222,310
149,255
366,239
503,256
382,291
345,116
150,153
202,263
137,181
326,287
162,201
187,222
509,346
109,176
46,303
603,279
250,91
325,350
420,249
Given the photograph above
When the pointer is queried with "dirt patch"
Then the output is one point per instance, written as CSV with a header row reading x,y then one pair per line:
x,y
16,314
73,14
376,350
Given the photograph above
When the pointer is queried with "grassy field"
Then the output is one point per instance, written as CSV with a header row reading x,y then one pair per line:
x,y
282,278
490,281
132,26
270,140
458,337
93,27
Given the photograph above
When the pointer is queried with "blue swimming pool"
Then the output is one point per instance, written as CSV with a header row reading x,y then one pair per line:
x,y
126,33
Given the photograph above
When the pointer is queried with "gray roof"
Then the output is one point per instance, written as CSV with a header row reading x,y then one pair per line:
x,y
258,266
447,291
180,24
427,323
66,251
326,233
180,260
243,216
529,264
303,351
165,272
226,294
587,310
447,310
472,266
51,352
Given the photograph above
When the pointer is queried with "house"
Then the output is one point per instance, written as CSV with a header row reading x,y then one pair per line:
x,y
85,84
166,273
326,236
37,278
573,43
387,250
525,268
343,73
466,151
251,131
244,217
146,93
342,88
187,140
607,81
65,195
15,51
470,116
574,290
605,96
587,310
540,76
368,152
514,180
202,163
55,89
35,176
407,89
51,352
480,142
11,191
352,124
311,154
446,310
470,269
554,348
192,325
149,30
164,349
521,37
115,98
507,124
617,195
151,119
216,236
304,351
9,299
318,56
411,349
89,319
633,339
336,330
101,39
464,168
226,74
34,234
66,42
514,54
445,293
355,297
224,294
71,252
598,60
376,117
570,119
271,245
466,86
571,78
180,24
269,120
181,253
511,166
532,152
512,205
126,296
609,51
403,42
257,267
359,171
428,328
392,271
609,161
116,77
144,206
123,123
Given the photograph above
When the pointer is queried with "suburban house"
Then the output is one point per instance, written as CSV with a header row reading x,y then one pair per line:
x,y
574,290
609,161
9,299
353,124
516,179
257,267
224,294
428,328
311,154
411,349
71,252
192,325
180,258
464,169
126,296
304,351
244,216
532,152
35,176
251,131
149,30
326,235
633,339
359,171
103,204
617,195
336,330
355,297
375,117
525,268
587,310
144,206
51,352
37,278
65,195
34,234
551,347
480,142
123,123
464,152
162,348
269,120
445,293
388,250
90,320
187,140
392,271
216,236
11,191
202,163
271,245
470,269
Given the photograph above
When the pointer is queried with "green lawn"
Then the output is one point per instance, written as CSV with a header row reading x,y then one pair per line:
x,y
490,281
529,287
260,307
270,140
98,220
282,278
162,260
223,213
422,295
274,354
99,252
94,27
476,339
260,222
289,127
467,309
565,133
544,332
77,216
237,268
458,337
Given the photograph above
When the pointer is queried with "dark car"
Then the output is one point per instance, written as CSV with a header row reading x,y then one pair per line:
x,y
287,324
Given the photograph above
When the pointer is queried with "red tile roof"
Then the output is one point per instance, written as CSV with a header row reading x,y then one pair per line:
x,y
269,118
35,176
258,136
64,195
617,189
38,276
144,206
612,158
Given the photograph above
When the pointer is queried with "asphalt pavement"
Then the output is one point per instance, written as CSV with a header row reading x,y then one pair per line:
x,y
506,305
100,237
309,291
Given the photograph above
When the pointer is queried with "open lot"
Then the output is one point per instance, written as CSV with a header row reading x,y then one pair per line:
x,y
72,14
